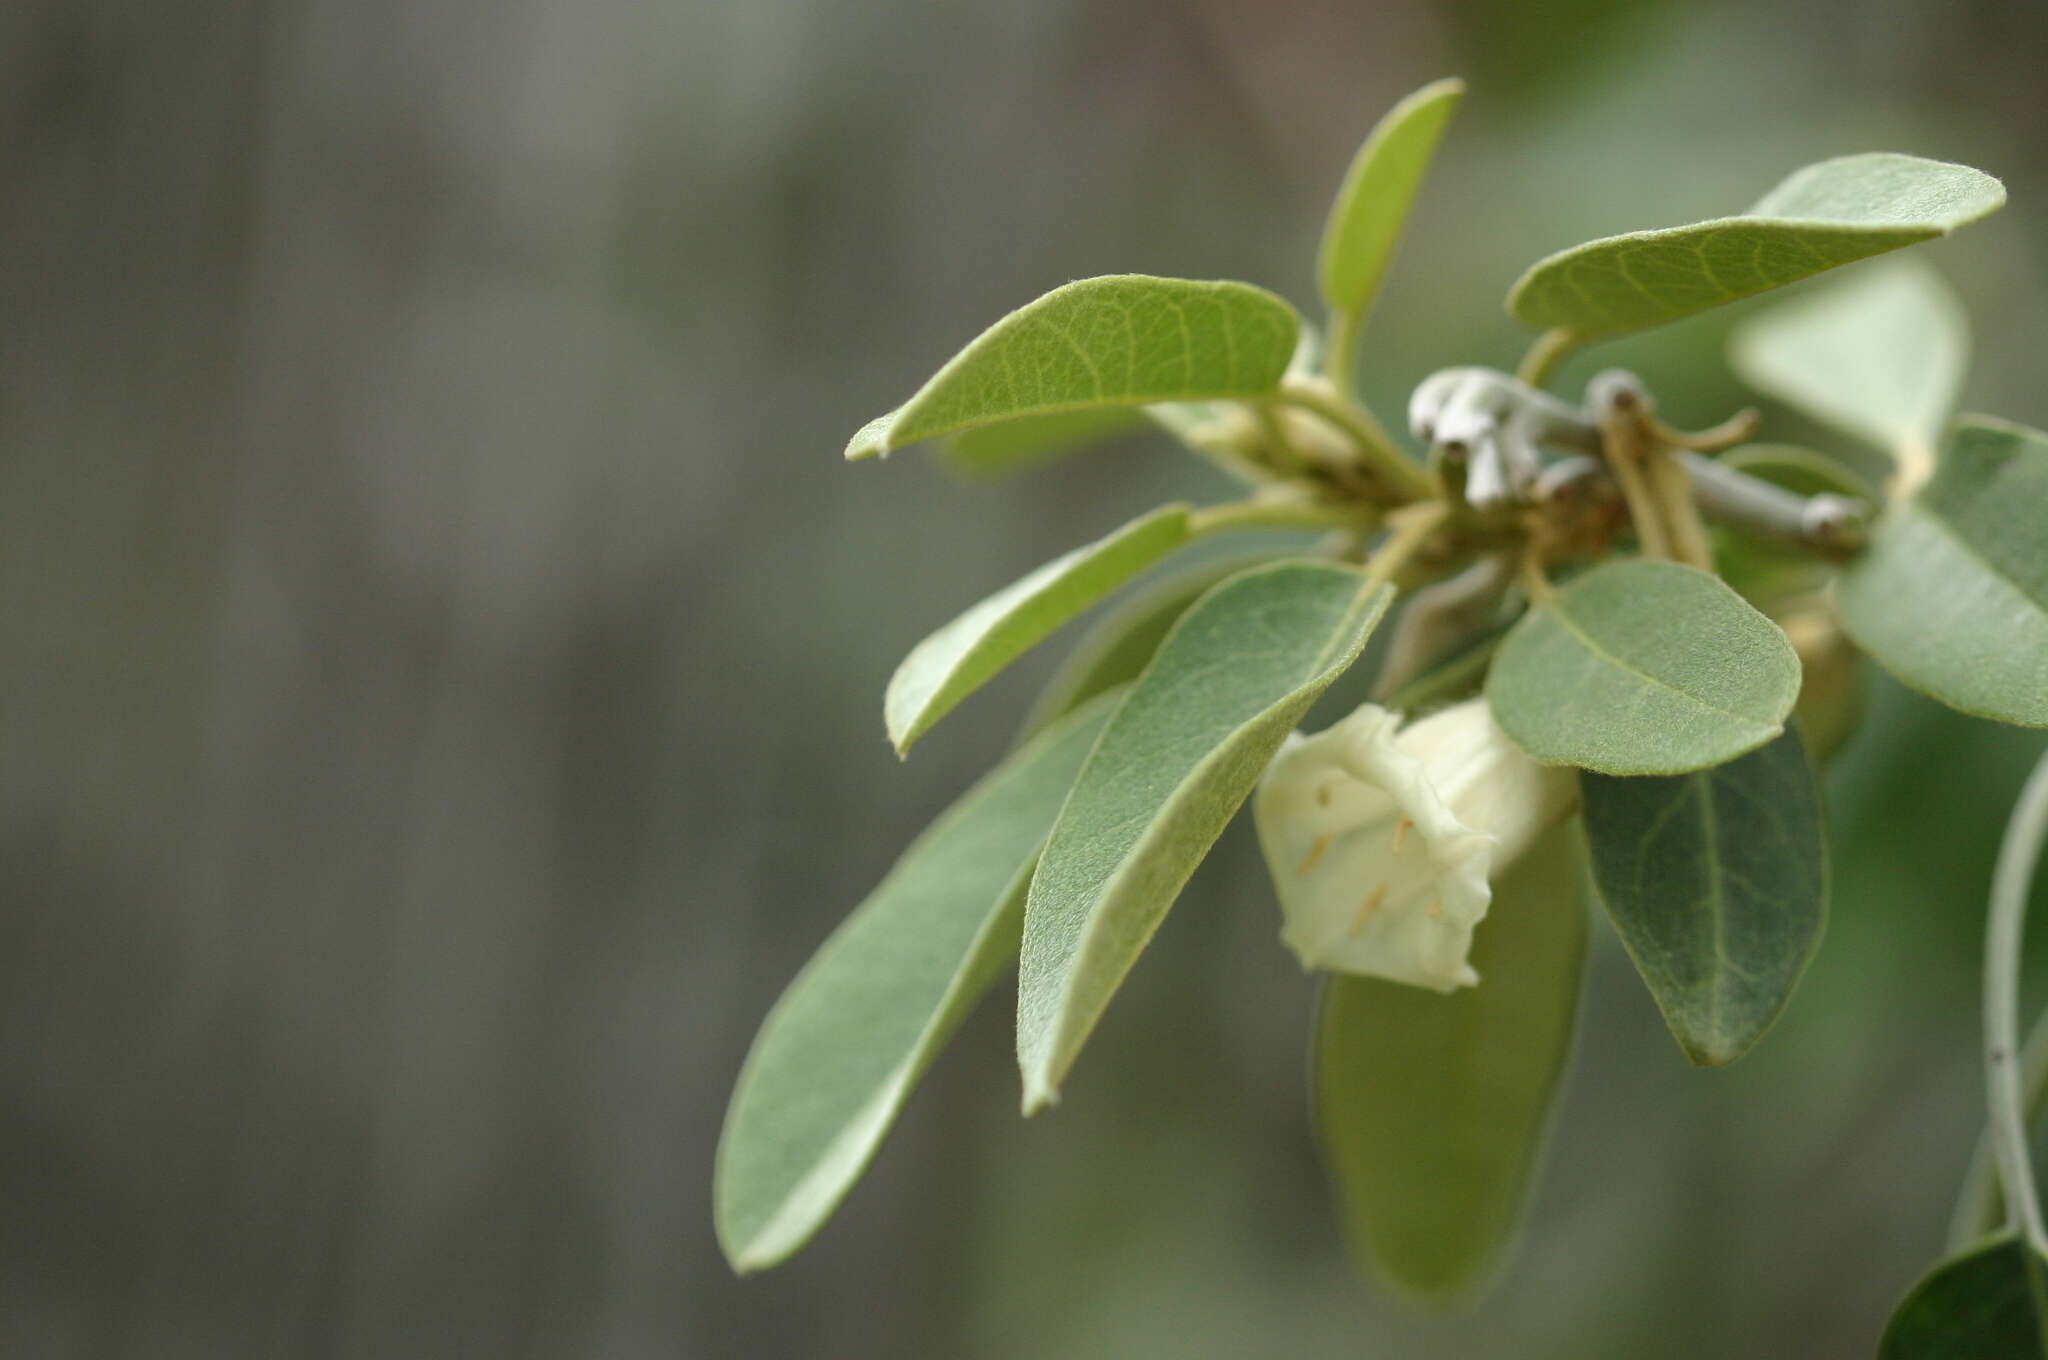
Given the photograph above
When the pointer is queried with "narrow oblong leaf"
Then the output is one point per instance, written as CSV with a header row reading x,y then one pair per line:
x,y
1378,191
1011,446
1952,595
1828,214
1991,1300
841,1051
1642,667
964,655
1178,758
1717,883
1432,1109
1880,357
1119,340
1118,647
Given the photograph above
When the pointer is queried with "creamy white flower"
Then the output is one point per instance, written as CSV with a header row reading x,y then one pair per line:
x,y
1381,838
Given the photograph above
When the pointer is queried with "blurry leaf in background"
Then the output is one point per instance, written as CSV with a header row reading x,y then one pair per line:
x,y
1642,667
1717,883
839,1054
1952,595
1378,191
1432,1108
1832,213
1012,446
962,656
1880,356
1990,1303
1178,758
1119,340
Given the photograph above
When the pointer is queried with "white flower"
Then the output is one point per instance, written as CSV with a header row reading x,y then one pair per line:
x,y
1381,838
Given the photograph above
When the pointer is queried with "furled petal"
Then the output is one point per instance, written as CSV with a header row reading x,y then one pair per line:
x,y
1381,839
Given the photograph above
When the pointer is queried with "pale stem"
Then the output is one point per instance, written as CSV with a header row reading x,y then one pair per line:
x,y
1340,351
1545,355
1400,473
1672,485
2017,856
1410,528
1979,1203
1277,514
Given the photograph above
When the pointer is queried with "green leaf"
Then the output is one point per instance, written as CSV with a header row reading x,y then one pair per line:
x,y
1641,667
1825,215
1952,596
1178,758
964,655
1378,191
1120,340
1011,446
1990,1301
1880,357
1432,1109
1119,646
842,1049
1717,883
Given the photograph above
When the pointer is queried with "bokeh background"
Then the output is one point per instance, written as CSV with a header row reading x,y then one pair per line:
x,y
444,650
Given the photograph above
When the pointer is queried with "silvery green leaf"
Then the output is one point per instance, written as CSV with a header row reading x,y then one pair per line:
x,y
1642,667
1378,191
1952,595
1828,214
1717,883
841,1051
1178,758
965,654
1119,340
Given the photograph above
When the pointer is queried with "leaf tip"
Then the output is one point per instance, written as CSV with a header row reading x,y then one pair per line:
x,y
871,440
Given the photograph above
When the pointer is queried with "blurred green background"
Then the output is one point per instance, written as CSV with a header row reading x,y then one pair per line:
x,y
442,694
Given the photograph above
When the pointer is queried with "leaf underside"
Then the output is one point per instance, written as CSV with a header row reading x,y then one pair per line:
x,y
1717,883
1828,214
841,1051
1180,755
1119,340
1432,1109
971,650
1952,595
1643,667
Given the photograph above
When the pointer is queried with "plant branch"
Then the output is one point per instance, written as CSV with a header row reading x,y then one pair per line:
x,y
1277,514
2017,856
1551,349
1395,469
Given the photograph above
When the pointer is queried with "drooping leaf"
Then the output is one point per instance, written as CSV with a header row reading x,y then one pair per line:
x,y
1989,1301
1880,357
1119,340
1178,758
1828,214
1642,667
1120,644
1432,1108
1717,883
964,655
840,1052
1378,191
1952,596
1011,446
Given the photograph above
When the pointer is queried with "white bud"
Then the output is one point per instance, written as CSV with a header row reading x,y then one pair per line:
x,y
1381,839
